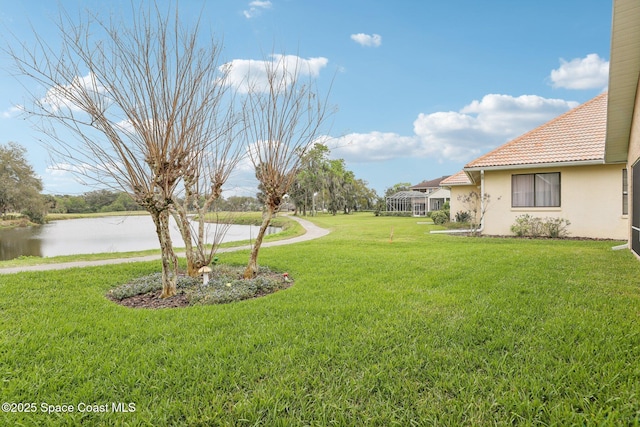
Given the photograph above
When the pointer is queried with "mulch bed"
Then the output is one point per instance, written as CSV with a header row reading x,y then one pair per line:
x,y
153,300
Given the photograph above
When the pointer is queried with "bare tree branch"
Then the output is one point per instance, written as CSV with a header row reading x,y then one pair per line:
x,y
127,106
282,121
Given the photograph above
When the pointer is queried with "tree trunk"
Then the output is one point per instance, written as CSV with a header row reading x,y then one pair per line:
x,y
182,220
169,259
199,255
252,268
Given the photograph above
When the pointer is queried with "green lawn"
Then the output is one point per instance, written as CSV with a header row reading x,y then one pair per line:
x,y
423,330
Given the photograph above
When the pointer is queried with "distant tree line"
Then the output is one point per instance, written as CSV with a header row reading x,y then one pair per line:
x,y
92,202
117,201
324,184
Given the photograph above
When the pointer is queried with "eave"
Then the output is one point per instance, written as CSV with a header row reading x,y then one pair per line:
x,y
537,165
624,70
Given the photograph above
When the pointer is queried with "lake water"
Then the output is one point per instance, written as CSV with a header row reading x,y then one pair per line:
x,y
96,235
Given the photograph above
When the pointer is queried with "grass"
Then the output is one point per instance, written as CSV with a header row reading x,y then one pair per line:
x,y
423,330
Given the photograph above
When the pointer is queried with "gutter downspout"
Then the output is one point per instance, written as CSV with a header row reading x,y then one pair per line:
x,y
481,228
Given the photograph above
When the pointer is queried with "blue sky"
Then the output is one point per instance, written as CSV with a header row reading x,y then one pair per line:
x,y
421,86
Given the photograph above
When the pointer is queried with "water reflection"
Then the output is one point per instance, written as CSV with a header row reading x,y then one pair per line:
x,y
96,235
19,241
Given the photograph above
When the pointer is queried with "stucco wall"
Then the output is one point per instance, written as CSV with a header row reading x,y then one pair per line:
x,y
591,198
457,191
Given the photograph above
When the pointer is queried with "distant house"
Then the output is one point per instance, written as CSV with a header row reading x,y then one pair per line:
x,y
420,199
557,170
428,186
623,114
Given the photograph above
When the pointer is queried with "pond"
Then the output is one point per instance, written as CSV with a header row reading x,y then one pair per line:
x,y
97,235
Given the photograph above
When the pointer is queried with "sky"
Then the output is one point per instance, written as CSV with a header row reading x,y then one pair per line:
x,y
420,87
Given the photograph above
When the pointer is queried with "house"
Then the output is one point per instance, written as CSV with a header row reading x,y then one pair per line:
x,y
428,186
623,110
421,198
557,170
436,195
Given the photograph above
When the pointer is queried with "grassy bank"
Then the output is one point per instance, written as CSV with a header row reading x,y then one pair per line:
x,y
16,222
415,330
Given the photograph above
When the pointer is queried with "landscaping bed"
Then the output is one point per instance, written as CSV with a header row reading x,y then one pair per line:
x,y
225,285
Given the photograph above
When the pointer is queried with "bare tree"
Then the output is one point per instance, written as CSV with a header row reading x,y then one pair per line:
x,y
283,118
131,99
477,206
216,154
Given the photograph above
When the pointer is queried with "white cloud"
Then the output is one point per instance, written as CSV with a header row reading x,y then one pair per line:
x,y
255,8
63,178
251,74
11,112
66,169
508,116
373,40
242,181
455,135
62,96
374,146
590,72
59,169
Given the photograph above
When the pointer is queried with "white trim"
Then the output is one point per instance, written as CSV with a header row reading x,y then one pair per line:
x,y
538,165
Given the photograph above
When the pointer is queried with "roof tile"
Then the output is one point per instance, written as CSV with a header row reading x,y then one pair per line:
x,y
577,135
434,183
459,178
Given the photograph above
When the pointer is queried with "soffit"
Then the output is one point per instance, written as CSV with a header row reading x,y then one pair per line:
x,y
624,66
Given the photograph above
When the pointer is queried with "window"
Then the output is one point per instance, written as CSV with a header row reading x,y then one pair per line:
x,y
535,190
625,193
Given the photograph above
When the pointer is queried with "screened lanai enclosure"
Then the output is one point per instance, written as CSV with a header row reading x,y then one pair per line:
x,y
417,203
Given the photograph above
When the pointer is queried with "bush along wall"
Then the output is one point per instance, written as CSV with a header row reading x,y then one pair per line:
x,y
440,217
530,226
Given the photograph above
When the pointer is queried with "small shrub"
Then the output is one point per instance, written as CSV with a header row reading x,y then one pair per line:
x,y
530,226
37,216
556,227
537,227
463,216
440,217
522,226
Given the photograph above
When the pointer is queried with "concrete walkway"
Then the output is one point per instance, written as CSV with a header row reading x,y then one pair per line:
x,y
312,232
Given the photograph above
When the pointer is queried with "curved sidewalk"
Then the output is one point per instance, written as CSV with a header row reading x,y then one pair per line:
x,y
312,232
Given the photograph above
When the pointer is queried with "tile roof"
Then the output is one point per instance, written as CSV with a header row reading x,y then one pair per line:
x,y
434,183
459,178
577,135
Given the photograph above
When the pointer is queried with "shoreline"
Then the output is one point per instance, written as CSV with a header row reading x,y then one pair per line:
x,y
308,230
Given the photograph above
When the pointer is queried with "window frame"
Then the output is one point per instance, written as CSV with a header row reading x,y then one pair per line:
x,y
535,175
625,192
